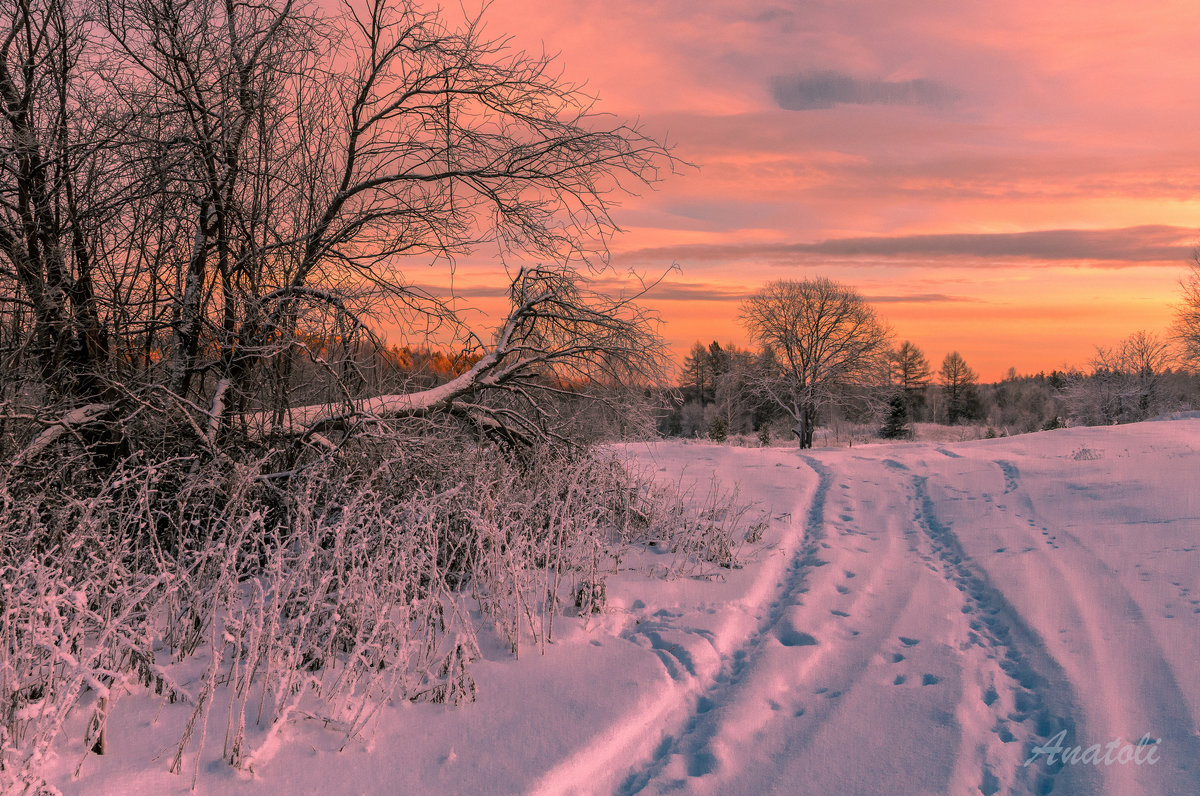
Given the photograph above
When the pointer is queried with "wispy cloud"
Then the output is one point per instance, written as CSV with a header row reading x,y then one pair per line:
x,y
681,291
921,298
824,89
710,291
684,291
1112,247
468,291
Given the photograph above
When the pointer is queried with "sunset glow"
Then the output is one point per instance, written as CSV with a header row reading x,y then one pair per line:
x,y
1015,181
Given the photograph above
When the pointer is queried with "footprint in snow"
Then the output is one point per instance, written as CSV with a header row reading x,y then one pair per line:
x,y
789,637
701,764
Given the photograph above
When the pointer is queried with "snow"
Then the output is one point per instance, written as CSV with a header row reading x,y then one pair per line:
x,y
917,619
76,417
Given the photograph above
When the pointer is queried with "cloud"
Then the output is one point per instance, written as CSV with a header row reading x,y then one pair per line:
x,y
919,298
498,290
709,291
681,291
1136,244
1132,245
824,89
613,286
684,291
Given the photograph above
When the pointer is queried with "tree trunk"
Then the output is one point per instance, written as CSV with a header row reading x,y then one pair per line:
x,y
189,307
804,427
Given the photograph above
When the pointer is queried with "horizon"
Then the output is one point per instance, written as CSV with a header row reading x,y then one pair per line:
x,y
1016,183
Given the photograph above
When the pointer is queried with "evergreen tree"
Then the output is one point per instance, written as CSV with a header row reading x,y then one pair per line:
x,y
896,426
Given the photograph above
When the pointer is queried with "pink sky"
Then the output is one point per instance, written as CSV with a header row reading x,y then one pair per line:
x,y
1019,181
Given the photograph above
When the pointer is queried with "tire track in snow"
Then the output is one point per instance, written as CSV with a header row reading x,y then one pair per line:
x,y
779,716
698,727
1044,698
1151,686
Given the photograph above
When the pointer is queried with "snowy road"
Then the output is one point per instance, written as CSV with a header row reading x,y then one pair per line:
x,y
948,611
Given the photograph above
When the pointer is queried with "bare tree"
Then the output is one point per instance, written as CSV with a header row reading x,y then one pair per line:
x,y
1141,353
733,391
1187,315
208,204
48,187
699,374
822,344
1125,384
959,384
909,368
910,374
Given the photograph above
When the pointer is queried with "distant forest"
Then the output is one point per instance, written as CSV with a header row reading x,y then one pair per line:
x,y
718,394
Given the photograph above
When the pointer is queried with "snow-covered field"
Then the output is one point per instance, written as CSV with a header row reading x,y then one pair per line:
x,y
918,618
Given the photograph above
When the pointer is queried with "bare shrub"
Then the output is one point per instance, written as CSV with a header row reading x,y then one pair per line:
x,y
319,601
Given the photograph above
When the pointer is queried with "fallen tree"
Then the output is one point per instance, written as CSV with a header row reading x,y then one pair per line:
x,y
559,332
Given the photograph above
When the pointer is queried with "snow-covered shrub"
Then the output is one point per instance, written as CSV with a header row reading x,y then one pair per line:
x,y
1086,454
244,598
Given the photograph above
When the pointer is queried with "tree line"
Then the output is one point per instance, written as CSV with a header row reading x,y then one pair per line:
x,y
824,357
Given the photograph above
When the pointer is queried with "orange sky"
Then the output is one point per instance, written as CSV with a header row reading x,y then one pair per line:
x,y
1019,181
